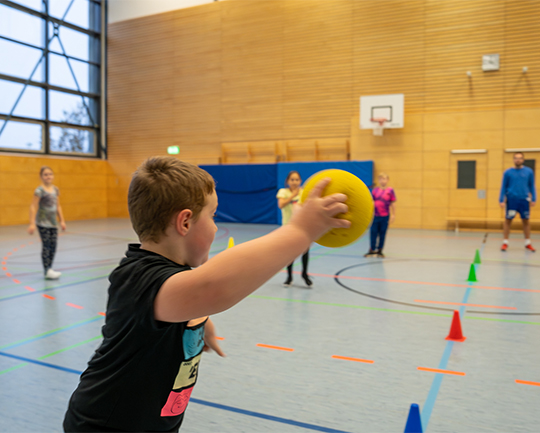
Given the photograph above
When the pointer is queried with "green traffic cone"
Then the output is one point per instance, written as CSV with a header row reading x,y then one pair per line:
x,y
477,260
472,274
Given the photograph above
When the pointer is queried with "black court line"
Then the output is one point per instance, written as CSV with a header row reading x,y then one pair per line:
x,y
392,301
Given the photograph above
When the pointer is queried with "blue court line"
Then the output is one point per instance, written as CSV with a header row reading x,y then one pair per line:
x,y
266,417
437,380
198,401
61,286
44,364
48,334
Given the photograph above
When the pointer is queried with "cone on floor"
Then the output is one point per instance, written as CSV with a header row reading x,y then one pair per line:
x,y
472,274
231,243
477,260
414,424
455,329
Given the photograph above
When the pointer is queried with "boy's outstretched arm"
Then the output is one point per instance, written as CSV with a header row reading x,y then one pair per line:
x,y
233,274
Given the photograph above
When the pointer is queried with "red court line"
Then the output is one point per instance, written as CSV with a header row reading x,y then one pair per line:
x,y
16,281
346,358
425,283
526,382
467,305
10,253
29,288
220,338
49,297
286,349
69,304
4,268
8,274
101,313
4,258
437,370
14,249
3,263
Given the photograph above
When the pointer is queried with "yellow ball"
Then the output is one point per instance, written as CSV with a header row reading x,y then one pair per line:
x,y
359,201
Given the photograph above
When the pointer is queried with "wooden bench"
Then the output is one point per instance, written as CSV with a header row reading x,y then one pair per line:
x,y
457,220
250,152
324,149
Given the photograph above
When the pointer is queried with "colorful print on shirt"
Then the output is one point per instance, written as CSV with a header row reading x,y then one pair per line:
x,y
382,199
177,402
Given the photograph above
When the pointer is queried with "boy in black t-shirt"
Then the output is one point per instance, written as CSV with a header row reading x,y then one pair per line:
x,y
157,325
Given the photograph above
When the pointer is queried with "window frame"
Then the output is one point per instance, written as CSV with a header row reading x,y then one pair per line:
x,y
97,33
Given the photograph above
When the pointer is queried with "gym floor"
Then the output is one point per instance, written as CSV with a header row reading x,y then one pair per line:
x,y
350,354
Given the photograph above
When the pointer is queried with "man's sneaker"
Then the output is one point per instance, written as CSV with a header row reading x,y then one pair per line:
x,y
504,247
52,275
530,248
370,253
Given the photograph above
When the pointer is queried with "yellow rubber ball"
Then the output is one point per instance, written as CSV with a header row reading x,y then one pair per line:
x,y
359,201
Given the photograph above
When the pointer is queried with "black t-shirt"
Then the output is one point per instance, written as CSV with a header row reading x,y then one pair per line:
x,y
142,375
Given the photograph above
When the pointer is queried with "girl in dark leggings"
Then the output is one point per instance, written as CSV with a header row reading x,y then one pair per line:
x,y
287,198
44,210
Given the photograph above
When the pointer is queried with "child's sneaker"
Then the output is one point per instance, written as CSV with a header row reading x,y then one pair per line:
x,y
530,248
308,281
380,255
370,253
287,282
504,247
52,275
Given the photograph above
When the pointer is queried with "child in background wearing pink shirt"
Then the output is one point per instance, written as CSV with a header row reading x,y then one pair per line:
x,y
385,212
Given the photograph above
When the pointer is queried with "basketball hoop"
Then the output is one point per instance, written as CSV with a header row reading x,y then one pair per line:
x,y
378,128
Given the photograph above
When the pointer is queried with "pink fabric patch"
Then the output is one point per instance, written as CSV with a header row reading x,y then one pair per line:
x,y
176,403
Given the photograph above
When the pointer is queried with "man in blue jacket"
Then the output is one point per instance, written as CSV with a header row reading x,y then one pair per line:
x,y
518,188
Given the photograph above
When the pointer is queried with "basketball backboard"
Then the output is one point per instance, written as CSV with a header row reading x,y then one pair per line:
x,y
376,108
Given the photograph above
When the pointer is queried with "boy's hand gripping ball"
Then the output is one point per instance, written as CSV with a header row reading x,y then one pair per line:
x,y
359,201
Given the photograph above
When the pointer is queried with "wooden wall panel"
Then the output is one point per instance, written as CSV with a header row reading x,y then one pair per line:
x,y
82,184
389,50
196,82
255,72
317,68
252,70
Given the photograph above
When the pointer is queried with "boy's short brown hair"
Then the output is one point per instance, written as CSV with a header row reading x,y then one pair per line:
x,y
160,188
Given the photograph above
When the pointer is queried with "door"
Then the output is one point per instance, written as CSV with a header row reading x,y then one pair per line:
x,y
468,187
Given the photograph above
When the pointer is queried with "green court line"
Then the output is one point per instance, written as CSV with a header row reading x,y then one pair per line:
x,y
391,310
43,334
361,307
502,320
7,370
70,347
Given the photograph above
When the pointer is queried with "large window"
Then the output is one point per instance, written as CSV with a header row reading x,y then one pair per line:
x,y
51,76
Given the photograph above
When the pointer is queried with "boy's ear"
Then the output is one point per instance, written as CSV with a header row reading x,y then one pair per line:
x,y
183,221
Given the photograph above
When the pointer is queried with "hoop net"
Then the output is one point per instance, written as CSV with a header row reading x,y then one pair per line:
x,y
378,128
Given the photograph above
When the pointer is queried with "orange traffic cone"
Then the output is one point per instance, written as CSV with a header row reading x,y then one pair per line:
x,y
455,329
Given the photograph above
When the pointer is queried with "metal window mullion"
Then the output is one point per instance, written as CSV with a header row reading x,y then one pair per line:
x,y
102,140
46,52
26,44
48,86
45,14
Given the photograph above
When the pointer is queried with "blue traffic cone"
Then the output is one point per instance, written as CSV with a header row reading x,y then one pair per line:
x,y
414,424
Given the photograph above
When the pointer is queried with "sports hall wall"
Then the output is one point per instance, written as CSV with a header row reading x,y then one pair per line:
x,y
82,183
282,80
